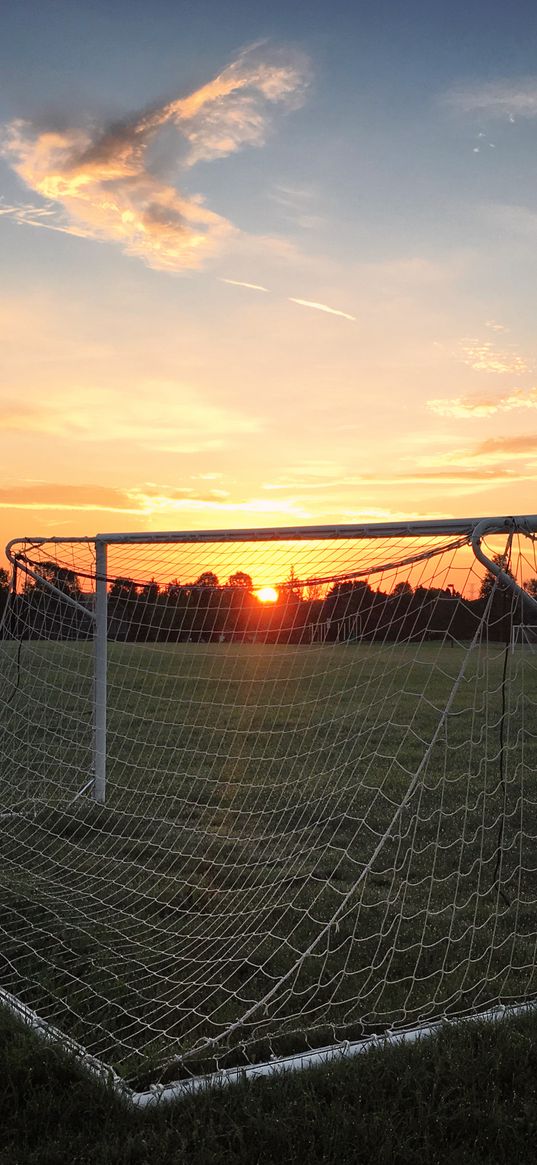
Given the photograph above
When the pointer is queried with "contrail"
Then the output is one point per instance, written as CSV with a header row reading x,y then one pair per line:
x,y
333,311
239,283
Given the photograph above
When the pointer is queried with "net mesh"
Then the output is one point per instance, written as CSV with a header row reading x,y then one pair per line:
x,y
320,810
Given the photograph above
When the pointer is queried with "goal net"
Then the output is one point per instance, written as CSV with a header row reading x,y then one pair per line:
x,y
263,792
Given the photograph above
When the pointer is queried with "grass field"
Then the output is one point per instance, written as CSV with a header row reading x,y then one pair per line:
x,y
253,885
468,1097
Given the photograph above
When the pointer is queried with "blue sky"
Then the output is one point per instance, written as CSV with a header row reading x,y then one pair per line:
x,y
370,167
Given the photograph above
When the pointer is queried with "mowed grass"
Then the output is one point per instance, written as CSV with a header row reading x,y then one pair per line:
x,y
297,846
467,1097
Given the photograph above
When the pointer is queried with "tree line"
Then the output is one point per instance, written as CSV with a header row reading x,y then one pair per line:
x,y
207,610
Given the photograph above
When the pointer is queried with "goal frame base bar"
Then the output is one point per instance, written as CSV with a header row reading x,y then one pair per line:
x,y
179,1090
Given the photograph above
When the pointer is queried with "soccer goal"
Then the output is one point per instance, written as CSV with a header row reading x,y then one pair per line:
x,y
266,795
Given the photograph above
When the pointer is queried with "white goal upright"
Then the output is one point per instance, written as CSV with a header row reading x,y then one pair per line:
x,y
266,794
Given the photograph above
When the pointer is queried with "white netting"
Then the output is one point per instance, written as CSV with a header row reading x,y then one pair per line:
x,y
320,809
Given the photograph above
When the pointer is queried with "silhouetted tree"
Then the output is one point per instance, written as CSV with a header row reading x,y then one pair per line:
x,y
173,590
149,592
402,588
123,588
4,589
348,603
240,579
61,577
207,579
349,587
490,580
204,607
292,585
312,592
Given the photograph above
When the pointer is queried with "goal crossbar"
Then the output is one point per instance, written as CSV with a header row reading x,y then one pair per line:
x,y
424,527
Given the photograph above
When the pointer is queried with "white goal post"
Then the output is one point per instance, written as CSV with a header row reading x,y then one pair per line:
x,y
266,794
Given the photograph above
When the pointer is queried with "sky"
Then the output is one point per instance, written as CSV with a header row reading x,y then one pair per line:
x,y
266,264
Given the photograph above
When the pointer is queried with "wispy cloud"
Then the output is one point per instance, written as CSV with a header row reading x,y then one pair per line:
x,y
506,99
519,220
241,283
442,474
43,217
521,446
482,356
59,496
322,307
291,299
142,501
162,415
491,453
484,406
103,181
166,499
297,205
501,460
382,514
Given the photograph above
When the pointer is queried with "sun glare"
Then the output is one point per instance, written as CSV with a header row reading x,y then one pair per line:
x,y
267,595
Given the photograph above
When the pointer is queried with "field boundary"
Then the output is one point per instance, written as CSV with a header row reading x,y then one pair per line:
x,y
178,1090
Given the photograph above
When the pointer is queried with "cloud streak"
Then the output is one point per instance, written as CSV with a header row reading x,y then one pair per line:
x,y
142,501
322,307
103,179
241,283
502,99
54,496
504,460
42,217
450,474
291,299
162,415
484,406
521,446
482,356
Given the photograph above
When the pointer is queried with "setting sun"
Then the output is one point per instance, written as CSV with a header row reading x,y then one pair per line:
x,y
267,595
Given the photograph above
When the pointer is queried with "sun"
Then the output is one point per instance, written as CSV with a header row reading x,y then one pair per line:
x,y
267,595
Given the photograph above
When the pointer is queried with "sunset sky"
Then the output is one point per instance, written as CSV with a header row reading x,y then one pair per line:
x,y
266,264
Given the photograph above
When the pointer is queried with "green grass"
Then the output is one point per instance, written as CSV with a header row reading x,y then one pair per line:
x,y
249,787
467,1097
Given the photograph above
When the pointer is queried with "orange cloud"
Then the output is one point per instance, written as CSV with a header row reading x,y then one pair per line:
x,y
484,465
521,446
449,474
484,406
103,180
142,501
53,496
162,415
483,357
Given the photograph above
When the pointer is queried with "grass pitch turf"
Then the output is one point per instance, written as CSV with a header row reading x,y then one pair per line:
x,y
249,788
467,1097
